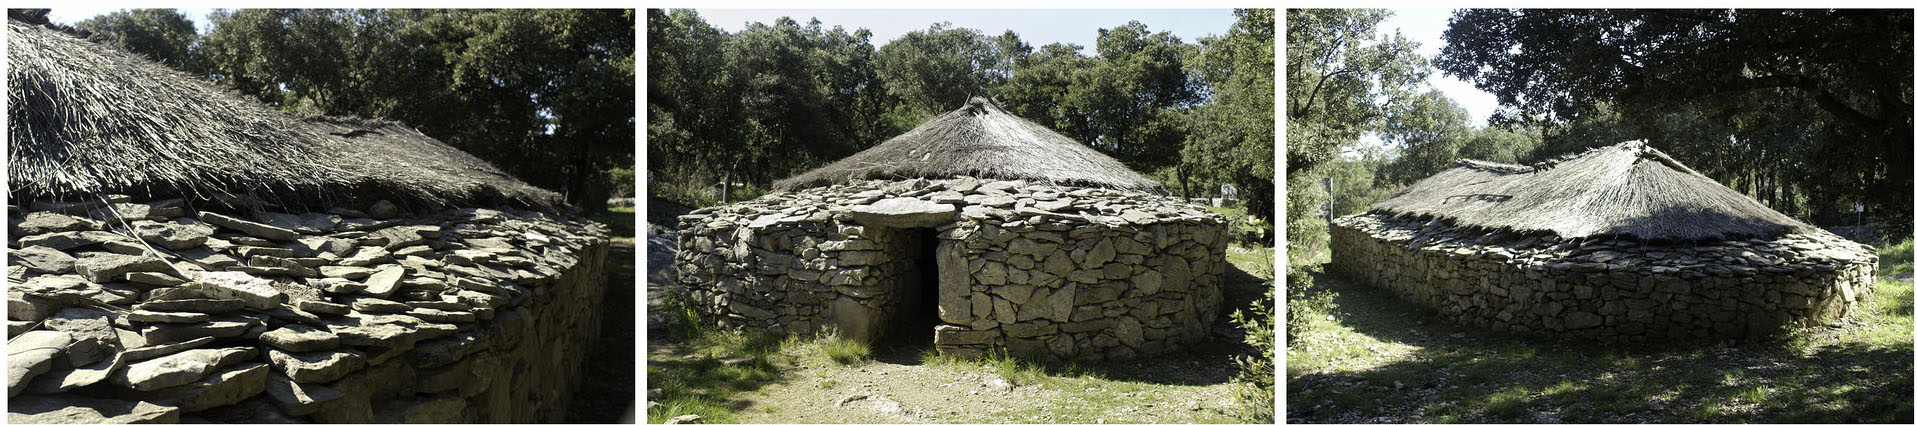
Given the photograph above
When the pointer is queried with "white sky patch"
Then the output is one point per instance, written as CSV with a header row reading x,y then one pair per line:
x,y
1426,26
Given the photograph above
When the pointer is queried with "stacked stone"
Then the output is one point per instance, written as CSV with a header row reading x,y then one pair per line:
x,y
1607,289
122,311
1040,270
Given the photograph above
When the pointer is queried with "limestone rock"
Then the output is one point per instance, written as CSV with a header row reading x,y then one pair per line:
x,y
180,369
298,399
173,236
104,267
148,316
153,351
256,292
316,367
904,212
383,282
72,409
300,338
61,380
40,259
250,227
194,305
224,387
92,332
32,354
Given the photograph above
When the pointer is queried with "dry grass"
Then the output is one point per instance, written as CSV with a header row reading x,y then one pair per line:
x,y
85,118
1628,189
979,140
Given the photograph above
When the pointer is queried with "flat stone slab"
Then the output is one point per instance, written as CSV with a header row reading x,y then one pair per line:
x,y
316,367
375,305
71,409
904,212
32,354
383,282
69,240
62,380
298,399
258,293
156,351
173,236
92,332
300,338
180,368
148,316
194,305
40,259
322,307
104,267
261,230
225,387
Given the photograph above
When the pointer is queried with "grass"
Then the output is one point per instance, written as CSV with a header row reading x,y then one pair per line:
x,y
620,221
1368,357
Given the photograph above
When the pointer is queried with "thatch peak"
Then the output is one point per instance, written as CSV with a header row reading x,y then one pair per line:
x,y
1626,190
979,139
87,119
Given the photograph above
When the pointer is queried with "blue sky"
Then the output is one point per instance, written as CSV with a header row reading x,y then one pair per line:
x,y
1037,27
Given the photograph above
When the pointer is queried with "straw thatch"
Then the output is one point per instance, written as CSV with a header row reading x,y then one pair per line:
x,y
86,119
1625,190
979,140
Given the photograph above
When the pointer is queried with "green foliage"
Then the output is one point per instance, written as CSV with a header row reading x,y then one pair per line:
x,y
1894,259
1258,374
1229,139
1342,79
935,70
1810,96
162,35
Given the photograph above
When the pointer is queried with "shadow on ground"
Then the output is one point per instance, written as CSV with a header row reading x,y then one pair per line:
x,y
1438,371
607,394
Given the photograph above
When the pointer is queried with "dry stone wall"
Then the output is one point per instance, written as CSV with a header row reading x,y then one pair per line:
x,y
1607,290
1041,271
149,312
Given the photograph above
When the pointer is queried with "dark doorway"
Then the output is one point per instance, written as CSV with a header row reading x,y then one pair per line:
x,y
911,331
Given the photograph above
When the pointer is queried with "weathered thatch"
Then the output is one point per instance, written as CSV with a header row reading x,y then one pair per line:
x,y
393,152
979,140
1624,190
87,119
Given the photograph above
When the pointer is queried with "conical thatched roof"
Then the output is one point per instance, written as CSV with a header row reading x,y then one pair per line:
x,y
979,140
1627,190
86,119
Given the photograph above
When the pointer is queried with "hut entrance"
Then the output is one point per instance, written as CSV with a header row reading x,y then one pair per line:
x,y
917,280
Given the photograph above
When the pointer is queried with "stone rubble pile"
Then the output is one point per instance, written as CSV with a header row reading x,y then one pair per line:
x,y
134,312
1607,289
1039,270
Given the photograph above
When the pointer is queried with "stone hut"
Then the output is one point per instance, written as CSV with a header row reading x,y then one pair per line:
x,y
176,253
978,230
1620,243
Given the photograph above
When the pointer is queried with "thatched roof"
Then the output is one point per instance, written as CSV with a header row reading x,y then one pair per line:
x,y
1624,190
979,140
86,119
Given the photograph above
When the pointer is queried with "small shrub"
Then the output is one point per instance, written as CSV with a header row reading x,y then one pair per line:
x,y
846,351
1257,372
